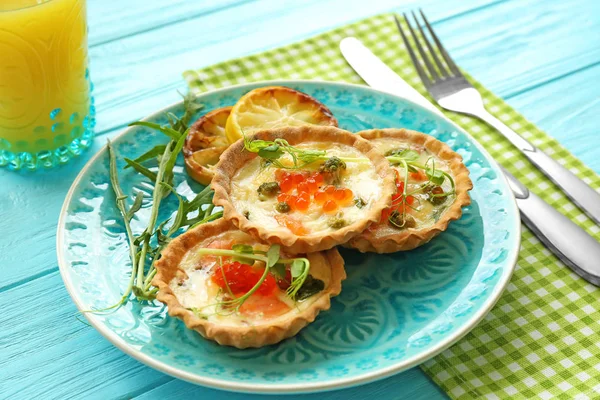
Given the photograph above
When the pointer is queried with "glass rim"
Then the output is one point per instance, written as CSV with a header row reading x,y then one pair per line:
x,y
20,8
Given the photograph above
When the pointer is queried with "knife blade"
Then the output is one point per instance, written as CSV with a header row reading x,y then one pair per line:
x,y
378,75
569,242
577,249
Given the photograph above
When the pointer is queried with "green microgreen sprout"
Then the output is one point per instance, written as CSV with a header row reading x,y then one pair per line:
x,y
408,160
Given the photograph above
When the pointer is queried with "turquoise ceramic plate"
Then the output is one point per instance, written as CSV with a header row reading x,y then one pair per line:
x,y
395,311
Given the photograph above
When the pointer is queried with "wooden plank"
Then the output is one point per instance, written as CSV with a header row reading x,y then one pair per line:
x,y
31,209
568,110
513,47
110,20
45,352
147,67
506,46
53,353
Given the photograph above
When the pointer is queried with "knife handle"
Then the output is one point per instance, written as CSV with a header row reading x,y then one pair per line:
x,y
571,244
581,193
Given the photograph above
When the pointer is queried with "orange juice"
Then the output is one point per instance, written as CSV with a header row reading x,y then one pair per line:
x,y
45,112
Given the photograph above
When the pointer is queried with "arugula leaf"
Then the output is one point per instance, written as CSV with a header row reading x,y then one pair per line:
x,y
211,217
143,250
172,133
141,169
180,215
191,107
137,204
173,159
149,155
202,198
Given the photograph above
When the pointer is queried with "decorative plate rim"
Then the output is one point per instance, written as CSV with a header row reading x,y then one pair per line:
x,y
296,387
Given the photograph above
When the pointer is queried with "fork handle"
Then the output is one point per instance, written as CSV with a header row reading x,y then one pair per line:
x,y
582,194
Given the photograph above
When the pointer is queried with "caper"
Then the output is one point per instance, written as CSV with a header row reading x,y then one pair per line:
x,y
268,189
437,196
333,168
333,164
337,222
400,221
310,287
282,207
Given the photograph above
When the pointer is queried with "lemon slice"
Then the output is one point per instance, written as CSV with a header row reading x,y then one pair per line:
x,y
204,144
275,107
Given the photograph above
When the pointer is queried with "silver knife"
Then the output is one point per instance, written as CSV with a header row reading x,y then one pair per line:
x,y
571,244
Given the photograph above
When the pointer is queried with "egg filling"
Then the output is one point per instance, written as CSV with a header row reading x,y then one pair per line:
x,y
424,186
209,284
323,196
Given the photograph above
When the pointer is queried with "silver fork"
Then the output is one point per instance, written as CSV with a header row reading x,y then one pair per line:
x,y
452,91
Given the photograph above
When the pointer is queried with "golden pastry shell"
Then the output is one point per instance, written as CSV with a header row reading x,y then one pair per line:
x,y
168,268
408,239
236,157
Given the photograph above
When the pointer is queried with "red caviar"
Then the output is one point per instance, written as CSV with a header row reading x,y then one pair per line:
x,y
320,197
398,203
330,206
307,185
282,197
241,278
286,281
281,174
286,185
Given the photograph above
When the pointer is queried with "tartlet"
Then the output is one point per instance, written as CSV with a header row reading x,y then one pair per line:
x,y
205,143
192,286
424,210
307,207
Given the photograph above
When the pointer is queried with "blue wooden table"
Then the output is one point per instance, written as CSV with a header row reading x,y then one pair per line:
x,y
542,56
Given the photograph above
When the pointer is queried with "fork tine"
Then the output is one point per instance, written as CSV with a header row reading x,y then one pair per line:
x,y
442,49
432,71
424,78
439,64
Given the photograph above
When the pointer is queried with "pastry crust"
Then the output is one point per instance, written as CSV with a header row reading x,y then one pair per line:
x,y
408,239
198,140
236,157
262,334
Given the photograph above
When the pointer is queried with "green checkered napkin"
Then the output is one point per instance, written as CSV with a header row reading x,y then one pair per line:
x,y
540,340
